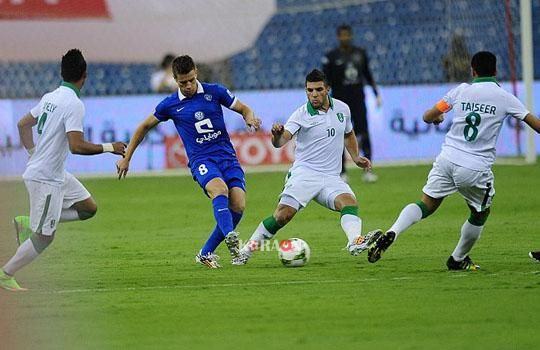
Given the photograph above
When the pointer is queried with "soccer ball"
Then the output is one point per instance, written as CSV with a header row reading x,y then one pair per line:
x,y
294,252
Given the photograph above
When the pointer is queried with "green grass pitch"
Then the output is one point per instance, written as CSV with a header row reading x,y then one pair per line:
x,y
127,279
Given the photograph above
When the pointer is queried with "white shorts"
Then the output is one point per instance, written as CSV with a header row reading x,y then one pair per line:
x,y
47,202
445,178
302,185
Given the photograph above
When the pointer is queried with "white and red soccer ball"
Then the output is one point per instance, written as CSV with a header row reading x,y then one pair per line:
x,y
294,252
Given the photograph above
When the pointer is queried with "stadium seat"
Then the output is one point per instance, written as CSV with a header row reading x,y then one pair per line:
x,y
405,42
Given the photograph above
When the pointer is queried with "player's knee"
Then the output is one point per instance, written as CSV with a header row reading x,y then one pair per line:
x,y
217,188
86,209
41,242
479,218
87,213
345,200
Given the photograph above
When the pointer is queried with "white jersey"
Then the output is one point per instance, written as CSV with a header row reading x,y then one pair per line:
x,y
58,112
479,111
320,136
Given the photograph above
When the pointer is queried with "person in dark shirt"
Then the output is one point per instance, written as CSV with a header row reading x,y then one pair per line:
x,y
347,70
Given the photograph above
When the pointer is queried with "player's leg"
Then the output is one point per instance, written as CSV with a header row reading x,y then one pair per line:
x,y
301,186
208,175
77,204
234,178
470,232
82,210
351,223
45,208
362,131
414,212
337,195
362,134
439,185
409,215
218,192
478,190
268,228
237,203
210,178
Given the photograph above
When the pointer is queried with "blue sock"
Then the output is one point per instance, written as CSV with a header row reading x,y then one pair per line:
x,y
236,217
217,236
222,214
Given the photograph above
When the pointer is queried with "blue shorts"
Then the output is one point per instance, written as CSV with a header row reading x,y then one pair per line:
x,y
227,169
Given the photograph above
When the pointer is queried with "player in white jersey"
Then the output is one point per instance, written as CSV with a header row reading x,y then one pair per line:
x,y
322,128
55,195
464,164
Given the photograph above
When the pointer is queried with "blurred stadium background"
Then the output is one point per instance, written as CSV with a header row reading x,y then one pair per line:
x,y
259,49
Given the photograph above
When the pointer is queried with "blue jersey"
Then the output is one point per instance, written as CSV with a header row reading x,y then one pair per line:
x,y
199,120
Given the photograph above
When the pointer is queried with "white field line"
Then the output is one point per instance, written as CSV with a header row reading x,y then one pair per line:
x,y
253,284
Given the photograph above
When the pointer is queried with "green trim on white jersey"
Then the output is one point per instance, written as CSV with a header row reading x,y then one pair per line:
x,y
485,80
72,87
312,111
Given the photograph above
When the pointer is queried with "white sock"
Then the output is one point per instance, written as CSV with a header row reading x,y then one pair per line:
x,y
24,256
469,236
260,234
409,216
69,214
352,225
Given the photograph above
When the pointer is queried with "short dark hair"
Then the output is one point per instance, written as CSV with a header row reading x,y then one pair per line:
x,y
182,65
343,27
73,66
484,64
167,60
315,76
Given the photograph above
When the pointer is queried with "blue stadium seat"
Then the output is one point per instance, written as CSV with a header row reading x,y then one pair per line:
x,y
405,42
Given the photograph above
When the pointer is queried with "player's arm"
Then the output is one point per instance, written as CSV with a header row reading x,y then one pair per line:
x,y
351,144
122,166
25,126
533,122
370,80
327,68
77,145
435,114
247,113
280,135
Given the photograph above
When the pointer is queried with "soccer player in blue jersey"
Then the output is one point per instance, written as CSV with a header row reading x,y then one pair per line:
x,y
197,114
